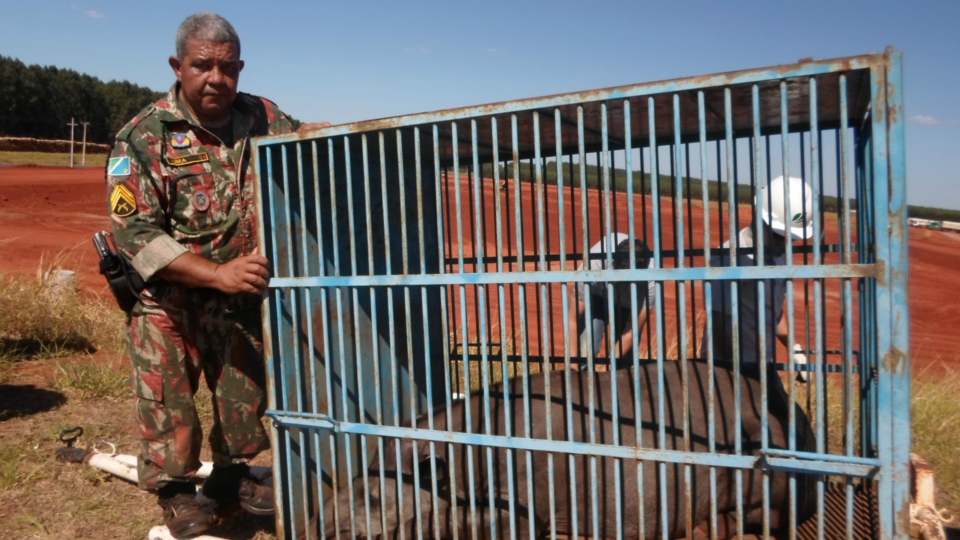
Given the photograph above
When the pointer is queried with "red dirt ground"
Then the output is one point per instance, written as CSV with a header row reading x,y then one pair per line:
x,y
49,214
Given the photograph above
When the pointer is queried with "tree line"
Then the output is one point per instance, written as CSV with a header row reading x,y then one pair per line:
x,y
39,101
692,187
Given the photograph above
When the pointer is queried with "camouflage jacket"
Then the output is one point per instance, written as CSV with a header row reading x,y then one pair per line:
x,y
174,187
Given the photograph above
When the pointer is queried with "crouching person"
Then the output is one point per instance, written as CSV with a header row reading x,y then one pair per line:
x,y
592,326
758,336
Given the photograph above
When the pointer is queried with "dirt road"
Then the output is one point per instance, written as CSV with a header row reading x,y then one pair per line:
x,y
49,214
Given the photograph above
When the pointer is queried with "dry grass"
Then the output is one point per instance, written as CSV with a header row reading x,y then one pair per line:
x,y
936,431
53,159
41,319
42,498
935,409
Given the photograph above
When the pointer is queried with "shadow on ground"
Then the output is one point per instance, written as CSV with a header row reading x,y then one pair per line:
x,y
18,400
243,527
29,348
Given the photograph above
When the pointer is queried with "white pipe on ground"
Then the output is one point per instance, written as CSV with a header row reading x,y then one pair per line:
x,y
162,533
130,462
114,466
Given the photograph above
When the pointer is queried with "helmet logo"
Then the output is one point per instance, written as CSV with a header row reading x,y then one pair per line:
x,y
798,217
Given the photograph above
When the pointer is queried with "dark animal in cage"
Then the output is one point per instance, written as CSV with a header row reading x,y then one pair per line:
x,y
452,470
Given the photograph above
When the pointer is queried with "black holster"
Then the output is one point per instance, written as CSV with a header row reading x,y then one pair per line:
x,y
125,282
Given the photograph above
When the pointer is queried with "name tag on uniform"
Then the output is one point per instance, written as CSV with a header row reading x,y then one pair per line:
x,y
188,160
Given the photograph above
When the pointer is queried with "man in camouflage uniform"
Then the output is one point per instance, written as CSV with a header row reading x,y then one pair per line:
x,y
180,189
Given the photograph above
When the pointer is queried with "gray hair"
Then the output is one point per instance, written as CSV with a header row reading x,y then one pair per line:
x,y
205,26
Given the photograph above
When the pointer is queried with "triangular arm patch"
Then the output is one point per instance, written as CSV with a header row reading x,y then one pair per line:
x,y
122,201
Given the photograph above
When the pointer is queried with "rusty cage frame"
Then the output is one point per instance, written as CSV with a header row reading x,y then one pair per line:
x,y
409,255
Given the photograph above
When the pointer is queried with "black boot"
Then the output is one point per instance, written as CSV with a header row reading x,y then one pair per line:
x,y
234,483
181,513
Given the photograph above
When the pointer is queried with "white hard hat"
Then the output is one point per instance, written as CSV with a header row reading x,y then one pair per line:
x,y
801,208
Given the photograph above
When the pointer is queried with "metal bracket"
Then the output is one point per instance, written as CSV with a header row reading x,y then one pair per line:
x,y
810,463
316,421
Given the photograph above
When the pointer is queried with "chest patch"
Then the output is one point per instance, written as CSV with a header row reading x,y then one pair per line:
x,y
200,157
201,201
180,140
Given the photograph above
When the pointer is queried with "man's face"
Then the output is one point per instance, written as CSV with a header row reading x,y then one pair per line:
x,y
208,75
776,242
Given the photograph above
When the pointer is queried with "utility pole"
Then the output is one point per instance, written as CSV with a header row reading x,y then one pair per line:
x,y
72,125
85,124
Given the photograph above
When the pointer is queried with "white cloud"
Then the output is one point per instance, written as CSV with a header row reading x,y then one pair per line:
x,y
417,49
91,13
926,120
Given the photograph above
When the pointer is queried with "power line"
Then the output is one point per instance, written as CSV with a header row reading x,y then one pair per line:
x,y
72,125
85,124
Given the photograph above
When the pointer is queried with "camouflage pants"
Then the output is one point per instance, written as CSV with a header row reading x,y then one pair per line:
x,y
170,344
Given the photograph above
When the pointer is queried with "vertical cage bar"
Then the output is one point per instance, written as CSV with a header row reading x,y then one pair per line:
x,y
351,229
899,307
411,359
375,334
612,352
291,349
565,304
658,261
439,178
341,341
428,357
884,300
525,363
818,378
301,398
391,317
682,309
545,334
501,297
846,180
315,394
481,294
788,234
468,416
761,321
634,308
730,148
707,303
269,307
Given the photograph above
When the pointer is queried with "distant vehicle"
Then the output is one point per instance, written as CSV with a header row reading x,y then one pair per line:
x,y
951,226
919,222
935,226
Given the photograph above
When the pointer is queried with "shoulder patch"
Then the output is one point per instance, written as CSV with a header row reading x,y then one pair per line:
x,y
119,166
122,201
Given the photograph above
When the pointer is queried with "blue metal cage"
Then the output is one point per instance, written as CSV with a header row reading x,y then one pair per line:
x,y
426,269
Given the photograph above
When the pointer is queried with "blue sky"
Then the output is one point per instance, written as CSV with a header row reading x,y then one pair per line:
x,y
347,61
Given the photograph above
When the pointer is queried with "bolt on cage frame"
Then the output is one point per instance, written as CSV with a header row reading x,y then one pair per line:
x,y
420,258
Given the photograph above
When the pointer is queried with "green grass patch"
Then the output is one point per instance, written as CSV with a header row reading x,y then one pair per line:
x,y
45,158
88,380
41,319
